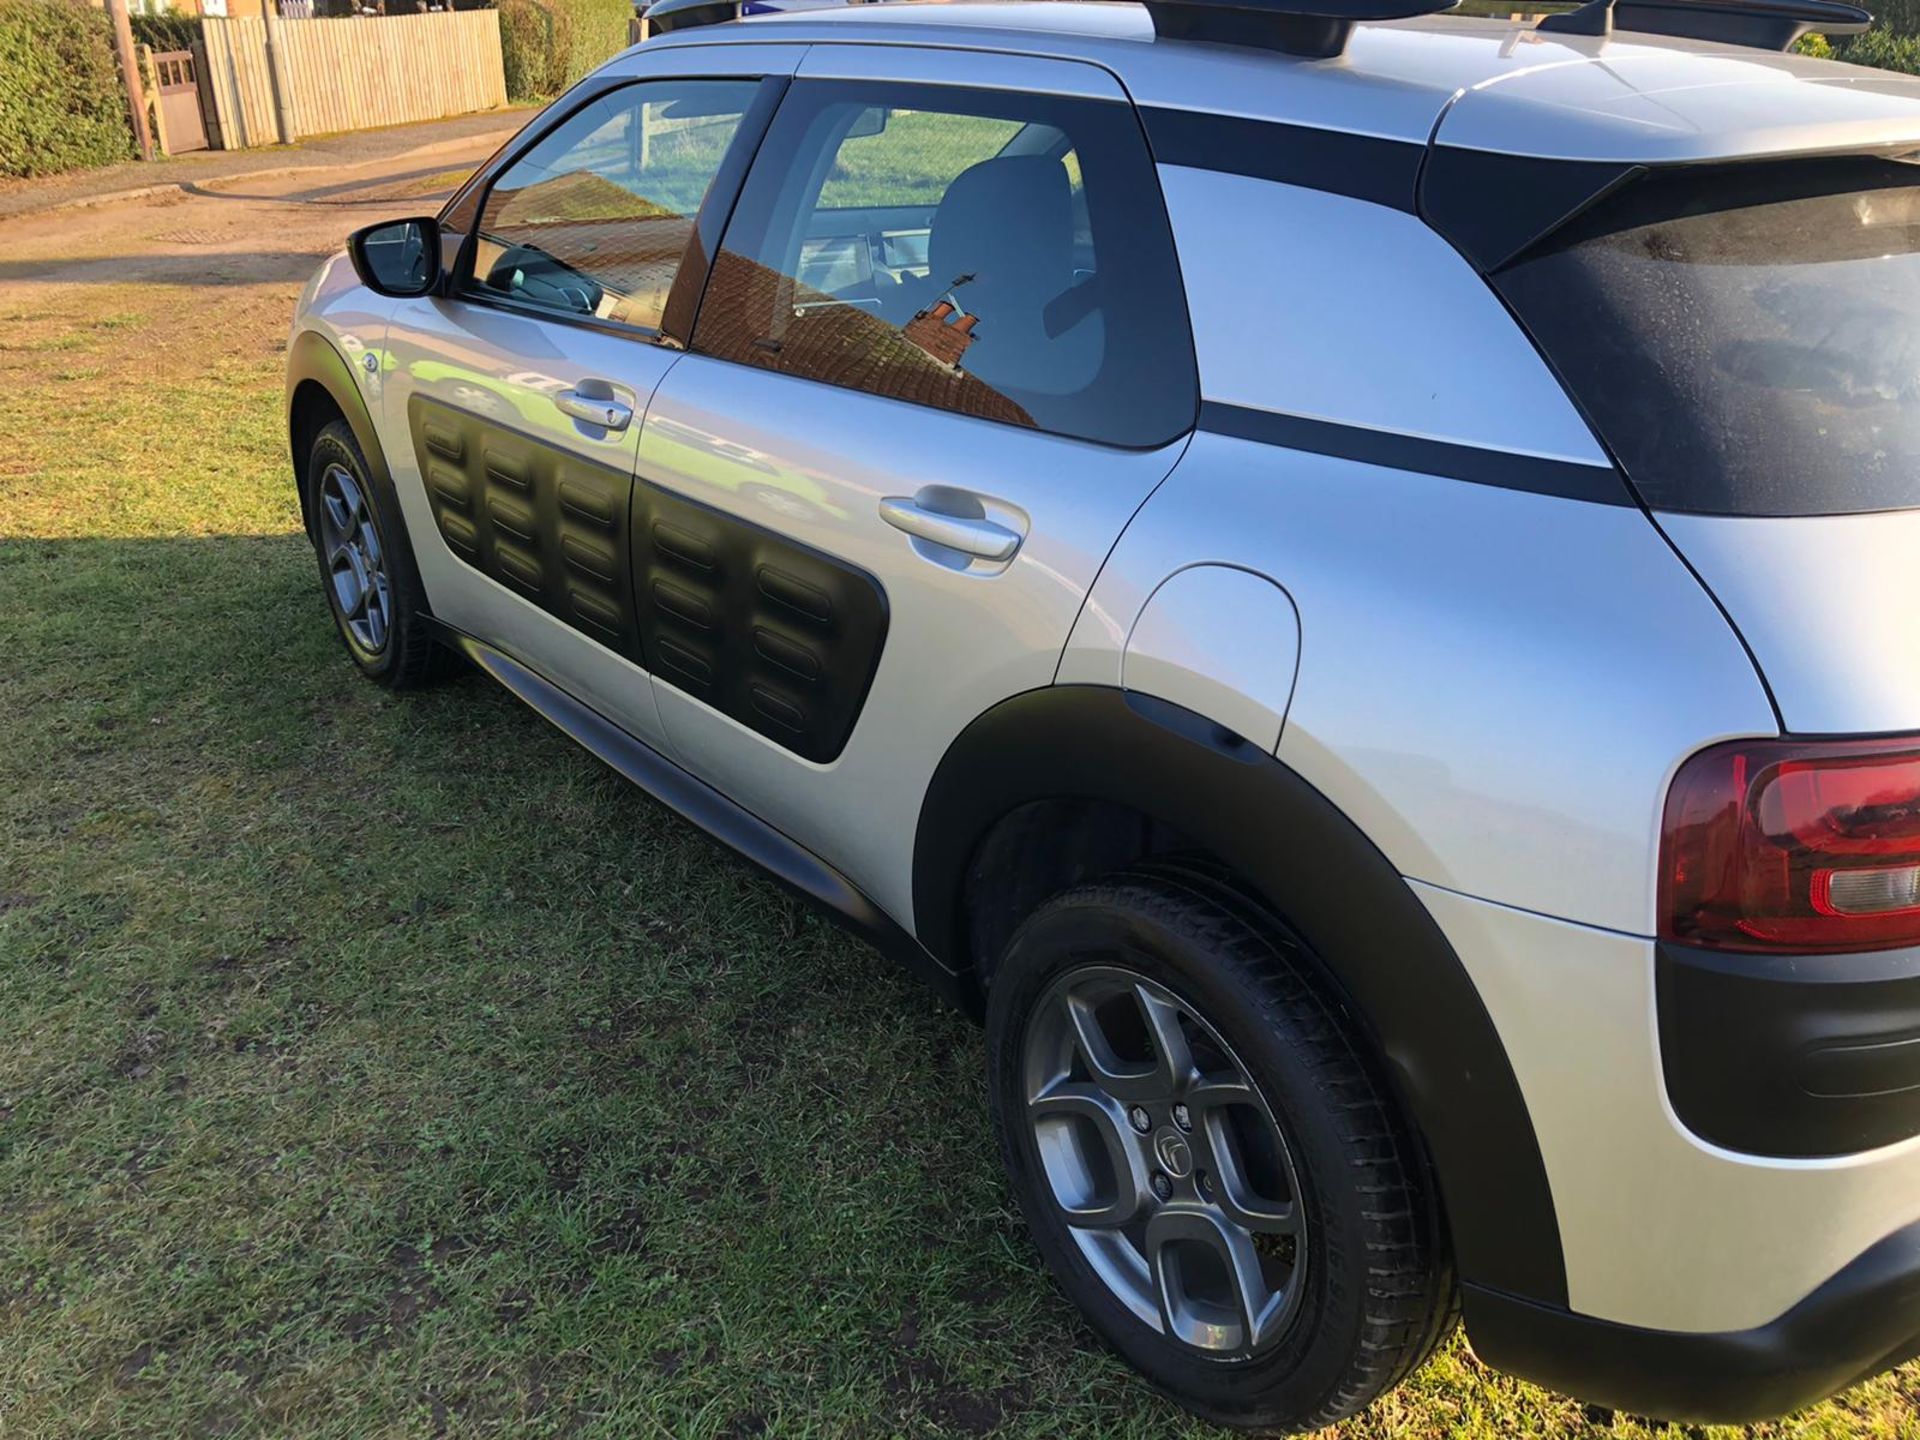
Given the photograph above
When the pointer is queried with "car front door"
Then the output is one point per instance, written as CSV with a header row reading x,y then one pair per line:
x,y
941,359
515,400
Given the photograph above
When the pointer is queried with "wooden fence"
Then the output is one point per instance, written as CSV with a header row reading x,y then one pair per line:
x,y
351,74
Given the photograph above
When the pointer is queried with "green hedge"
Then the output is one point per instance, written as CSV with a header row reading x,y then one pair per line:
x,y
1892,44
61,106
1902,17
535,39
1882,48
546,45
167,31
599,33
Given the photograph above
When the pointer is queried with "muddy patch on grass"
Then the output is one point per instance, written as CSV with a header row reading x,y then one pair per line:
x,y
922,1387
624,1234
413,1293
127,1373
138,1055
564,1163
512,1308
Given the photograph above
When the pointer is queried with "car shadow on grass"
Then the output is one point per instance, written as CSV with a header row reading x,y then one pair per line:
x,y
370,1059
211,267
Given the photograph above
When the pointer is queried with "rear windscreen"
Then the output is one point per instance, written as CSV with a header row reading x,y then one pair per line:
x,y
1747,342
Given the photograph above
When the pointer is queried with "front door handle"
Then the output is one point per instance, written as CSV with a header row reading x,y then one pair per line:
x,y
602,410
970,535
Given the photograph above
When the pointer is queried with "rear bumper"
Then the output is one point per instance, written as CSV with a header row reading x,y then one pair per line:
x,y
1669,1239
1798,1057
1864,1320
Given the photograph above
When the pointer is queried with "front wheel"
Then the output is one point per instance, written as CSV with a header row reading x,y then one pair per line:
x,y
1207,1158
371,584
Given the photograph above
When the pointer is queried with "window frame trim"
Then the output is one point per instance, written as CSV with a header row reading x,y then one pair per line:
x,y
468,204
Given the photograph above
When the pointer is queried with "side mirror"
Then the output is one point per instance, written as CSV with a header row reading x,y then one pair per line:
x,y
400,258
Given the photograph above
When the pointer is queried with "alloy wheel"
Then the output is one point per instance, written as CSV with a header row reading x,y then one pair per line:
x,y
1168,1166
356,564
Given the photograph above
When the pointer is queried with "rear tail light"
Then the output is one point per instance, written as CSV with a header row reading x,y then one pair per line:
x,y
1798,845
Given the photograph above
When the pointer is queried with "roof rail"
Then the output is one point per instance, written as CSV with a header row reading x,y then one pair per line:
x,y
1315,29
1762,24
665,16
1320,29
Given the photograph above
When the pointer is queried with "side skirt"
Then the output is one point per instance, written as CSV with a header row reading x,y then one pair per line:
x,y
692,799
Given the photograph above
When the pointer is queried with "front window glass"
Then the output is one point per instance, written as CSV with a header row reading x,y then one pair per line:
x,y
592,221
1747,343
1004,256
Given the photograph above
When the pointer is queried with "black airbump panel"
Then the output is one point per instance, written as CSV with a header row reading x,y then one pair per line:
x,y
780,637
543,521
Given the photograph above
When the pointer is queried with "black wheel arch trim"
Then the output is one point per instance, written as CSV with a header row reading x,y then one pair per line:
x,y
1312,865
313,360
1862,1321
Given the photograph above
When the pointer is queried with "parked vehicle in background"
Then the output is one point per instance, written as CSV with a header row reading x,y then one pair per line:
x,y
1344,581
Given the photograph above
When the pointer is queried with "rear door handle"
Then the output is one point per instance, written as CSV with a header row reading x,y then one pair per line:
x,y
602,410
986,539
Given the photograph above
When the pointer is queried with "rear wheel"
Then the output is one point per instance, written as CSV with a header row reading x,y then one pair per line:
x,y
371,584
1206,1158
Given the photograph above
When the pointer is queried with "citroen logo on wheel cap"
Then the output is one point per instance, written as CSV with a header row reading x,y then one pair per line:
x,y
1170,1148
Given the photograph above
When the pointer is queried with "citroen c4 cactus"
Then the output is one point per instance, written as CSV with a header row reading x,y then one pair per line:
x,y
1345,579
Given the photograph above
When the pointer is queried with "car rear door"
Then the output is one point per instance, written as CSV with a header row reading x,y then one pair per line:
x,y
515,401
941,359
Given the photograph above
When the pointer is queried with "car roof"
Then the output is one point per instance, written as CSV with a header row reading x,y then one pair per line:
x,y
1482,84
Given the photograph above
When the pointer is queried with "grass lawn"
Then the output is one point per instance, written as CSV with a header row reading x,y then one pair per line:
x,y
376,1066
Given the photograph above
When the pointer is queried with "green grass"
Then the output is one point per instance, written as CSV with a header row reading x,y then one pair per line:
x,y
912,160
376,1067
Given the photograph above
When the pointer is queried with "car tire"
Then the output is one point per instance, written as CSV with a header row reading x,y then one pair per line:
x,y
1358,1283
366,566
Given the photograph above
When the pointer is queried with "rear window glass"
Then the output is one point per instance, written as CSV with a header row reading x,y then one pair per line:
x,y
1747,342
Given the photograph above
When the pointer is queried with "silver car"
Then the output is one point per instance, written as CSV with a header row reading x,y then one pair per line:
x,y
1346,579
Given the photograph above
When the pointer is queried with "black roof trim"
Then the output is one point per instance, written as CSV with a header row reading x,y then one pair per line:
x,y
1493,208
1562,479
1362,166
1312,29
1761,24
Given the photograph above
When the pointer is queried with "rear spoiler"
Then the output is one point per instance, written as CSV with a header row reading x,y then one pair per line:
x,y
1762,24
665,16
1496,209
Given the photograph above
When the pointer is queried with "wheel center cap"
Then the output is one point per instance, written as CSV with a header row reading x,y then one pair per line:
x,y
1170,1148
